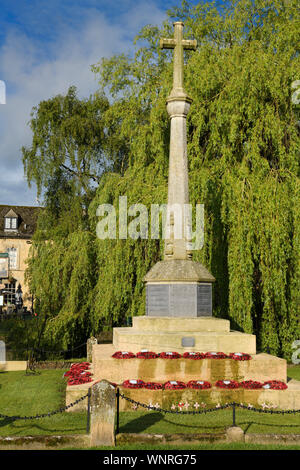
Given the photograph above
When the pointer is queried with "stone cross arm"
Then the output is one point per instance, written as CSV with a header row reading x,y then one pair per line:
x,y
179,45
187,44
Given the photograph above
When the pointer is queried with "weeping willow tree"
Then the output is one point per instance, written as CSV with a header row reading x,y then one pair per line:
x,y
243,151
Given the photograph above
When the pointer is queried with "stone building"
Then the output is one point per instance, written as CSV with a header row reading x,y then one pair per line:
x,y
17,225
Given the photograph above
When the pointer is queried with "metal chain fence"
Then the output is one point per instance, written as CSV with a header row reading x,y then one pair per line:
x,y
232,405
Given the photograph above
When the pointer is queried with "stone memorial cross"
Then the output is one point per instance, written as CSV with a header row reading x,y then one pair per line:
x,y
178,105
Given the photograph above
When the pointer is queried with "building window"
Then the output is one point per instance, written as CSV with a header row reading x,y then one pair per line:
x,y
10,223
13,258
9,293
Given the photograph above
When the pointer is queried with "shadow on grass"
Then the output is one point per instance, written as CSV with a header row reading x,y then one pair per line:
x,y
38,429
269,425
142,423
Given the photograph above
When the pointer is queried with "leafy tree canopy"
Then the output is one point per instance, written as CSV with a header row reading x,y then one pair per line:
x,y
243,150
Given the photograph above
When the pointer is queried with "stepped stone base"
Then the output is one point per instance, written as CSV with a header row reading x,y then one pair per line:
x,y
160,334
182,334
261,367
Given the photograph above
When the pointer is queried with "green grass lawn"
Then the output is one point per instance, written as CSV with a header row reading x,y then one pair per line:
x,y
216,422
294,372
28,395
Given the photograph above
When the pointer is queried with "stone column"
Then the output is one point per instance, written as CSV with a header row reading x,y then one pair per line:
x,y
89,348
176,245
103,410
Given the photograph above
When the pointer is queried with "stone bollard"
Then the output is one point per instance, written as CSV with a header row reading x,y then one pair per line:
x,y
89,348
235,434
103,410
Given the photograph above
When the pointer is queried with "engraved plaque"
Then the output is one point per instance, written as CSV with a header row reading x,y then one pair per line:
x,y
188,342
157,300
204,300
183,299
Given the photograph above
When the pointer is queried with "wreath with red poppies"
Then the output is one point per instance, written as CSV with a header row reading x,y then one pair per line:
x,y
170,355
229,384
153,386
133,383
174,385
146,355
240,356
123,355
198,384
251,384
274,385
78,374
193,355
215,355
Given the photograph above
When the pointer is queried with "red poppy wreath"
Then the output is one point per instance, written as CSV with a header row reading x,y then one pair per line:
x,y
123,355
174,385
170,355
198,384
274,385
133,383
227,384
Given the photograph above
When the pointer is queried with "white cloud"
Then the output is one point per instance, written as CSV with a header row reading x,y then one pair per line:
x,y
34,71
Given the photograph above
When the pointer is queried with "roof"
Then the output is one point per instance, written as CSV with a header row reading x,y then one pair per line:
x,y
27,220
178,270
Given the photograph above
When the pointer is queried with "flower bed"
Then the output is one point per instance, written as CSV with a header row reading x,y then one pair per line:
x,y
77,374
198,384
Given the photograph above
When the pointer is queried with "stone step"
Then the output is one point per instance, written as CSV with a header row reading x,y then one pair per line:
x,y
261,367
288,399
146,323
202,341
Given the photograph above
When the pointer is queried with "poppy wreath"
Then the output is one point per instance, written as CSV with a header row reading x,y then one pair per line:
x,y
146,355
193,355
153,386
123,355
78,375
213,355
251,384
274,385
133,384
240,356
169,355
198,384
174,385
227,384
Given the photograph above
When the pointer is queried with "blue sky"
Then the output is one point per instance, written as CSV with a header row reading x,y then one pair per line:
x,y
46,46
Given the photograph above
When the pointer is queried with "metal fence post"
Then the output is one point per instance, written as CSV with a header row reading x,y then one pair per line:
x,y
118,411
88,411
233,414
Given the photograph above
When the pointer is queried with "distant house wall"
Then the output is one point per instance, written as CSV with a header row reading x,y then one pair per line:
x,y
17,242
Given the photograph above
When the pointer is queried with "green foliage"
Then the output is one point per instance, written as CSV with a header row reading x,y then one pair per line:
x,y
243,149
